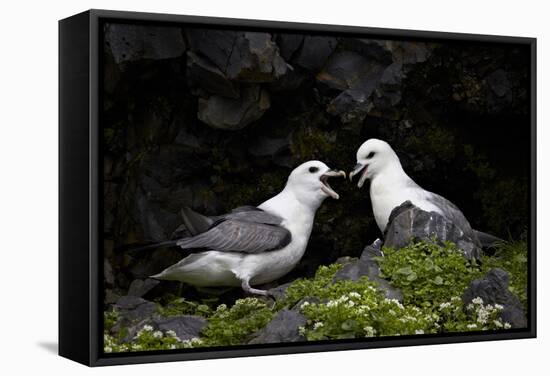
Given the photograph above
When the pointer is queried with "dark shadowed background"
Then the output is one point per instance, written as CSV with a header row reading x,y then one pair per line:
x,y
214,119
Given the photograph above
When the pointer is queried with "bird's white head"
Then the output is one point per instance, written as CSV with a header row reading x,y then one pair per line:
x,y
374,157
309,182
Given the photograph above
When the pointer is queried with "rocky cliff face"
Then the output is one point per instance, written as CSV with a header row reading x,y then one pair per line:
x,y
213,119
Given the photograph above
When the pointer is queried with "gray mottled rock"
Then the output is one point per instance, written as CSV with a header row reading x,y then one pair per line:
x,y
216,45
135,42
203,74
358,77
134,308
315,52
185,326
367,266
246,57
282,328
289,44
346,69
234,114
255,58
493,289
369,48
279,291
140,287
409,223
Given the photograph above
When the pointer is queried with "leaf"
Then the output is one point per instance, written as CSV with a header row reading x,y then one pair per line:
x,y
438,280
411,277
405,270
349,325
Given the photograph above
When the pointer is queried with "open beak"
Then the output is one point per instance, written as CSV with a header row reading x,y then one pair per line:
x,y
356,171
326,187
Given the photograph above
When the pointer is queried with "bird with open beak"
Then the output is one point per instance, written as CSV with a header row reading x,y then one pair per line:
x,y
253,245
390,187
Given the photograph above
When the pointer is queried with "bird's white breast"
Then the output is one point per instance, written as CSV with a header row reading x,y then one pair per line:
x,y
387,195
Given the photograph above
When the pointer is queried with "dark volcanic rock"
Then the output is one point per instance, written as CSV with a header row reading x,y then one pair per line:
x,y
282,328
409,223
135,42
366,266
216,45
346,69
315,52
134,308
289,44
203,74
140,287
358,77
245,57
493,289
279,291
255,58
185,326
369,48
234,114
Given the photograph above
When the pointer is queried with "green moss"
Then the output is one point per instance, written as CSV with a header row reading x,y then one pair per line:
x,y
233,326
181,306
109,319
511,257
311,143
428,274
432,278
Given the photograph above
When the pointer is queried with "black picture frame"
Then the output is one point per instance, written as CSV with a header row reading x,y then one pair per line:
x,y
80,192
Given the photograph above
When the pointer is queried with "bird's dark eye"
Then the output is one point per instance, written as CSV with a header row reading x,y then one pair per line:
x,y
371,154
313,169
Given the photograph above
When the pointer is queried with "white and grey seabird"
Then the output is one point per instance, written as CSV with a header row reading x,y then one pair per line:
x,y
390,186
254,245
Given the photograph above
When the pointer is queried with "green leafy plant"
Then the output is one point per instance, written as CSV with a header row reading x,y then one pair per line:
x,y
233,326
512,257
428,274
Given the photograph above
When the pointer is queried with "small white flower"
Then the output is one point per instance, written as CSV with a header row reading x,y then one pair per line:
x,y
221,307
369,331
418,331
108,349
471,326
318,325
171,333
304,305
172,347
477,300
507,325
444,305
350,304
391,312
354,294
148,328
332,303
157,334
500,307
302,330
455,299
497,323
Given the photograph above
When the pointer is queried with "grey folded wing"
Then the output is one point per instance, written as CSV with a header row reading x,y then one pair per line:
x,y
454,214
247,231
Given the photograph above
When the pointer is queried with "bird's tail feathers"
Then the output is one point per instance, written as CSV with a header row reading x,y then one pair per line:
x,y
140,247
488,240
194,222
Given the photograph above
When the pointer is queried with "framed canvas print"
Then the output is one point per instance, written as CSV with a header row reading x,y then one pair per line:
x,y
236,187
